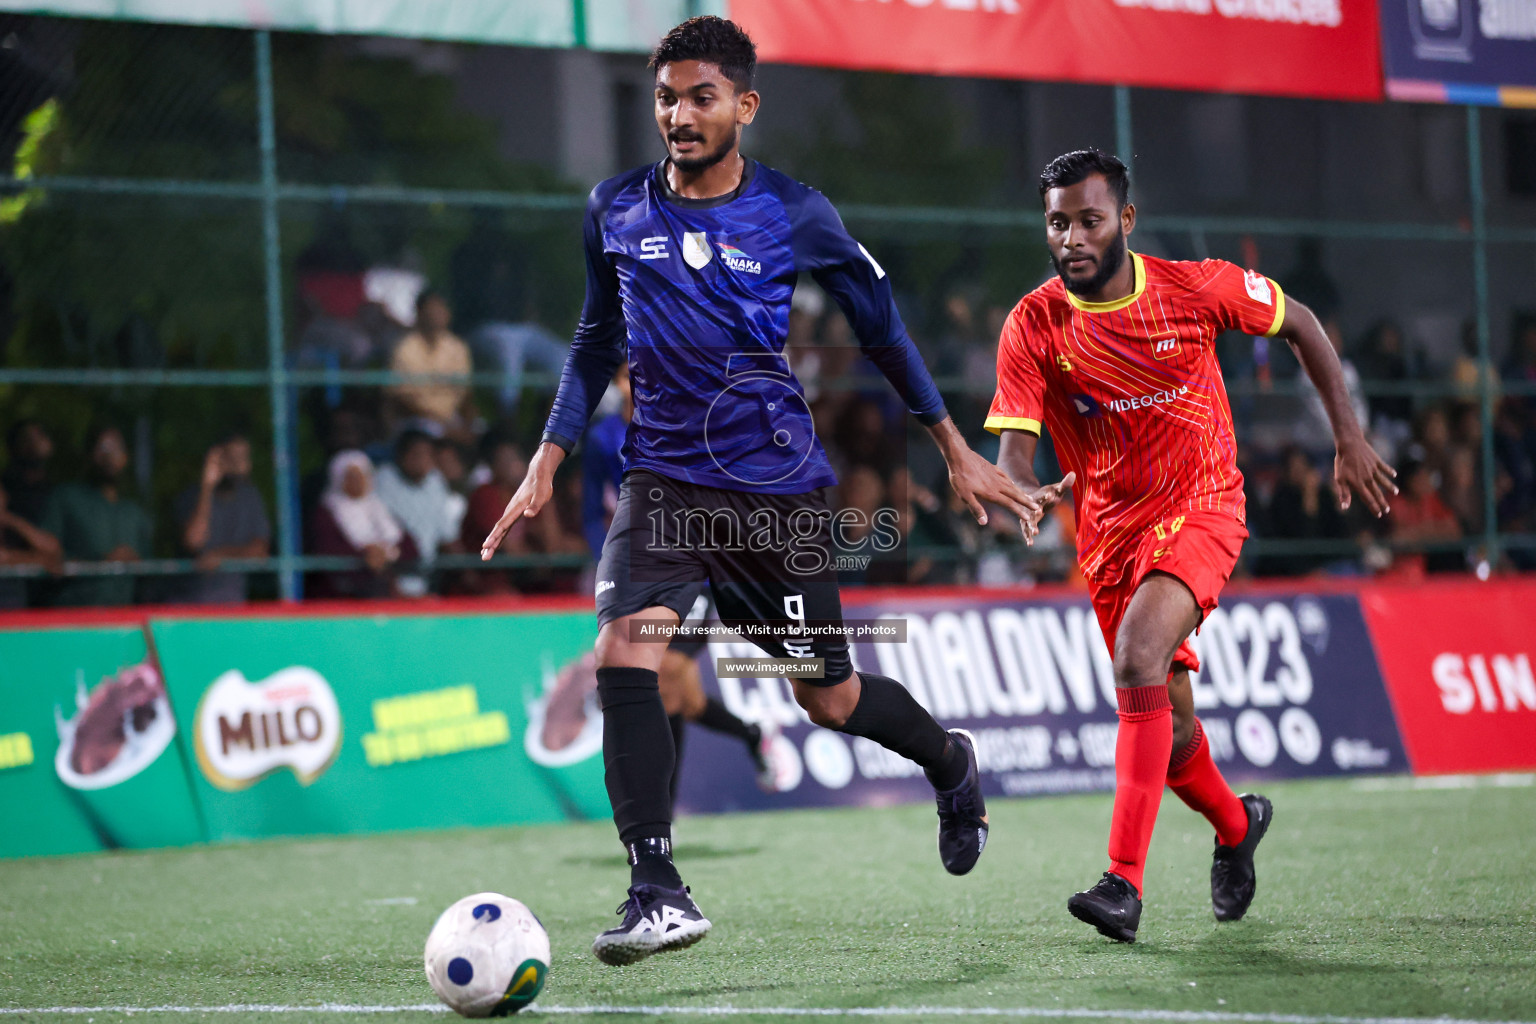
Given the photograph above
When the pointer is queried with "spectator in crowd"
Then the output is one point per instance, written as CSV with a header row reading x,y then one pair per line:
x,y
223,517
26,478
487,503
94,522
1514,454
1302,508
1469,371
418,497
1383,359
1462,491
22,544
862,438
1432,442
860,493
1420,518
351,521
455,467
434,350
1520,365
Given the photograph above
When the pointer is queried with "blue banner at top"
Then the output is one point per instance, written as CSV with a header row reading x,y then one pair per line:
x,y
1460,51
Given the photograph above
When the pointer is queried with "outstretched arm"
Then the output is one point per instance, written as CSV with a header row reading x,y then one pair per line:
x,y
1016,457
1357,469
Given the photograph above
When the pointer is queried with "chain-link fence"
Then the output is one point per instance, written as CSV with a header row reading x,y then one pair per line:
x,y
210,232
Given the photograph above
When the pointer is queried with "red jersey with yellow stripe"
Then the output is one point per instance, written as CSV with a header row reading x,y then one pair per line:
x,y
1132,394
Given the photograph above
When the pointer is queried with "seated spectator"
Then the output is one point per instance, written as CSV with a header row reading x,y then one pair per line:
x,y
1383,359
486,504
351,521
1302,508
1520,365
222,517
433,350
455,466
30,546
26,479
418,497
94,522
1418,518
1462,491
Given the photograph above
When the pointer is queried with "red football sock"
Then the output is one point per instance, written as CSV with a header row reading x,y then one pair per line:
x,y
1194,776
1142,749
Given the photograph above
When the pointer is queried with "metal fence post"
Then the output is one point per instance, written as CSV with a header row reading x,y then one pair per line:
x,y
1123,147
1484,340
277,369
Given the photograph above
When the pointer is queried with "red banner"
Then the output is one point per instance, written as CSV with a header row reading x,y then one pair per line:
x,y
1458,661
1327,49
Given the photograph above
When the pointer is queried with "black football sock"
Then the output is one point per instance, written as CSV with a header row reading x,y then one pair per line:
x,y
718,718
889,715
638,756
650,863
677,723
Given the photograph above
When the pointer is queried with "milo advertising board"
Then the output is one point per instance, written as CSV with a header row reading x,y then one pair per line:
x,y
88,752
325,725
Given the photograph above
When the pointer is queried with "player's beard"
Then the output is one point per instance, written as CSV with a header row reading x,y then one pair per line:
x,y
1110,262
694,164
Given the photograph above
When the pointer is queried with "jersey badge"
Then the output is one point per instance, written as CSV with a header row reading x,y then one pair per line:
x,y
1065,363
1165,346
696,250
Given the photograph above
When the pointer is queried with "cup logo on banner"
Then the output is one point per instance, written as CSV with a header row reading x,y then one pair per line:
x,y
244,731
119,729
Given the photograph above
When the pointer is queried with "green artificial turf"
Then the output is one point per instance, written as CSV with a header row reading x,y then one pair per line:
x,y
1374,900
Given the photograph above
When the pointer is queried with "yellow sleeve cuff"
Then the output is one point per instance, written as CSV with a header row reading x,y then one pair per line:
x,y
998,424
1279,310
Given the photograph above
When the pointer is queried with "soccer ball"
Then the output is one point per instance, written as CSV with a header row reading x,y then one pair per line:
x,y
487,956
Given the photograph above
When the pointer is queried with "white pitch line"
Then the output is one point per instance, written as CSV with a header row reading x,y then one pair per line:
x,y
1017,1012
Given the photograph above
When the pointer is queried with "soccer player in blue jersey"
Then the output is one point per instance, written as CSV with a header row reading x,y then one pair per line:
x,y
690,266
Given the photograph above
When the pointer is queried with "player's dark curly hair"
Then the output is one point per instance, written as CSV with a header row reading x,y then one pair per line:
x,y
711,40
1071,168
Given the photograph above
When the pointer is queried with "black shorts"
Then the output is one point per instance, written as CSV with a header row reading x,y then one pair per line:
x,y
766,558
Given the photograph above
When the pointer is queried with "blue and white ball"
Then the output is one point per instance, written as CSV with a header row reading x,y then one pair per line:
x,y
487,956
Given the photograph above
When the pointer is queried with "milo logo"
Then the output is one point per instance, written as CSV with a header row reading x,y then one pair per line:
x,y
244,731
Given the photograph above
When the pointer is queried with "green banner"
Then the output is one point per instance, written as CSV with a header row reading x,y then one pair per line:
x,y
301,726
88,758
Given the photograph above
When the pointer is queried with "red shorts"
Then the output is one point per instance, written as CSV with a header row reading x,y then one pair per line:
x,y
1199,548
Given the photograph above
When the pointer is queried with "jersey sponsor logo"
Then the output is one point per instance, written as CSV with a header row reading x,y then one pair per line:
x,y
1087,406
655,248
603,585
1258,287
738,260
696,250
1165,346
1144,401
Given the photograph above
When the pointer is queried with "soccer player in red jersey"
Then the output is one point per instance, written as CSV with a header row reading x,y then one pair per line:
x,y
1116,358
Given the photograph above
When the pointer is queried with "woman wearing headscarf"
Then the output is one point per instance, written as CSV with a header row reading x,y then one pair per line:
x,y
351,521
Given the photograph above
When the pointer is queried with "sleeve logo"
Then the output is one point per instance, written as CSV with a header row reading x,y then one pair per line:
x,y
1258,287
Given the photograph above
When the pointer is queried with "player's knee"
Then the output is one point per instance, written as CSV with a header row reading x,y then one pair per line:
x,y
1139,664
825,707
